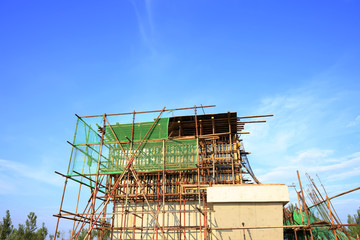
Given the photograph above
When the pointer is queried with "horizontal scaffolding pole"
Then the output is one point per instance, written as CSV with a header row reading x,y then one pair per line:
x,y
256,116
71,177
259,121
154,111
285,226
352,190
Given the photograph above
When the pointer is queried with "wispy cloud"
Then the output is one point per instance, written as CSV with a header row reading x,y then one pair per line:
x,y
346,206
315,161
14,175
355,122
297,116
305,135
144,16
149,14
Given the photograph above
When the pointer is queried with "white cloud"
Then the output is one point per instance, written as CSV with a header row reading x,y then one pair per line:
x,y
336,177
307,133
17,177
145,22
354,122
297,117
346,206
314,161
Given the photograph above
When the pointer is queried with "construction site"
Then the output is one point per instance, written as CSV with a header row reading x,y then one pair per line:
x,y
182,174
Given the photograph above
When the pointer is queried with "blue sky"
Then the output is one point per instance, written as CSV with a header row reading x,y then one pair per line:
x,y
298,60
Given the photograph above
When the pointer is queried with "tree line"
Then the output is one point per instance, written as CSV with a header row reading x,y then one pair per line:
x,y
355,219
27,231
30,230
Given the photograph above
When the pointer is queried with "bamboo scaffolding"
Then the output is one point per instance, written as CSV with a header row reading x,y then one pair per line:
x,y
324,208
138,195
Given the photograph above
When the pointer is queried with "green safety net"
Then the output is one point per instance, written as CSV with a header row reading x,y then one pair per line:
x,y
319,233
124,132
153,156
86,132
156,152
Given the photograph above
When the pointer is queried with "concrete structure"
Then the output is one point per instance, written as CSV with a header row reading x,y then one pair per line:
x,y
251,207
230,208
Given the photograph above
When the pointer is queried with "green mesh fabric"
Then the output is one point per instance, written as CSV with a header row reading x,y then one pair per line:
x,y
319,233
153,154
86,132
85,159
149,157
124,131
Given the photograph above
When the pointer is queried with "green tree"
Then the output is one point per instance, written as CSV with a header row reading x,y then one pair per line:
x,y
30,226
42,232
52,236
6,226
84,232
60,235
355,219
18,234
291,207
29,231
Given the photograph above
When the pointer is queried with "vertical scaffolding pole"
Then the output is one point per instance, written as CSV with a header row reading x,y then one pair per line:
x,y
97,175
163,186
305,206
61,203
231,148
331,216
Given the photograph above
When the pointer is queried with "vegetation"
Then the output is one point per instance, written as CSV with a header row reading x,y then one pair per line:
x,y
6,226
95,235
98,234
291,207
355,219
29,231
